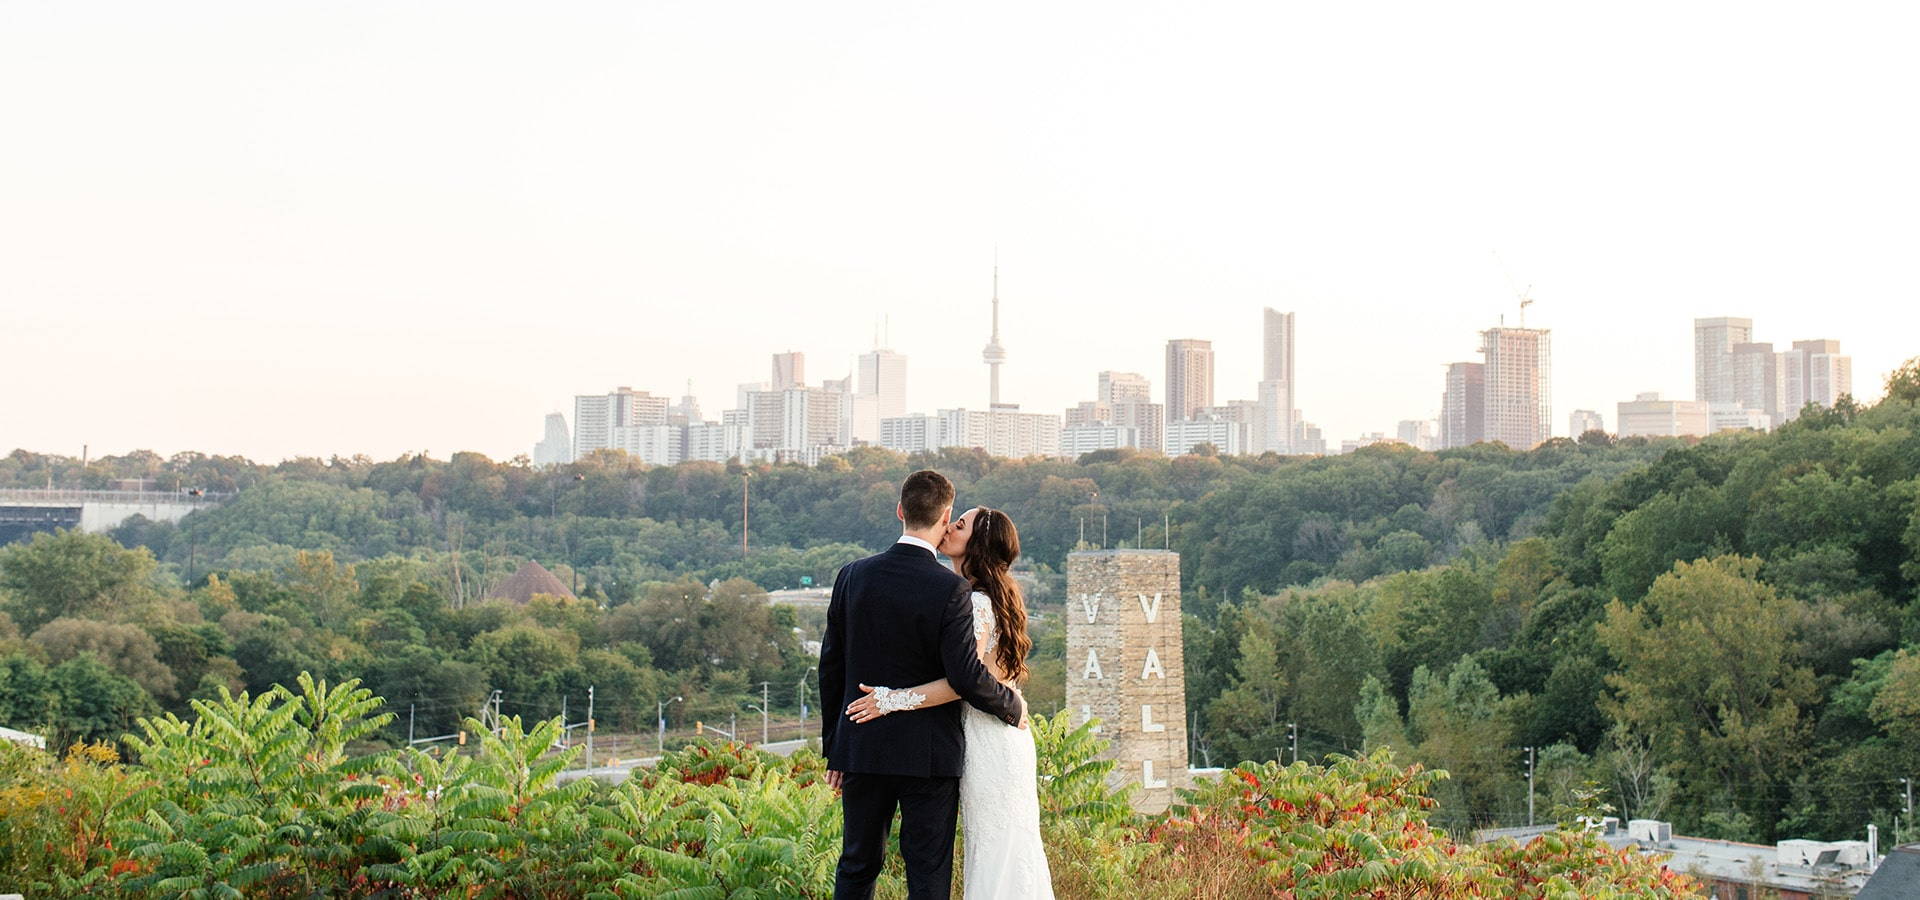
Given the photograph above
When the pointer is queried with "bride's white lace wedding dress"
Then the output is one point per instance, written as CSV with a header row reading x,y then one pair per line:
x,y
999,796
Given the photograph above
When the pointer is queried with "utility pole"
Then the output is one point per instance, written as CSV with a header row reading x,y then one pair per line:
x,y
1529,787
1293,740
566,733
763,710
410,731
589,726
1166,527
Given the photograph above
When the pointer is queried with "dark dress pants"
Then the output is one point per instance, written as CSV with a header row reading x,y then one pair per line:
x,y
929,811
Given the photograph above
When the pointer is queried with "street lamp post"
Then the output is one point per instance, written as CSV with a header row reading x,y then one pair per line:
x,y
762,707
801,690
661,714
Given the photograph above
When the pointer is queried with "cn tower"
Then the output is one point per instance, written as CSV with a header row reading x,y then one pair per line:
x,y
994,354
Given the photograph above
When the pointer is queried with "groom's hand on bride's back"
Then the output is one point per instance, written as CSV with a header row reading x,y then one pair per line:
x,y
1023,713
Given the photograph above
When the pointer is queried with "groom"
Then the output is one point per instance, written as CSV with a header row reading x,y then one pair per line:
x,y
900,617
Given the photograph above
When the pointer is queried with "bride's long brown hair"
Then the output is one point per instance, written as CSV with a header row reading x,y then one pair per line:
x,y
991,550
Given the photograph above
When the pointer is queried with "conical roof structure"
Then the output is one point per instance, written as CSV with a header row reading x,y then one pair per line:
x,y
532,578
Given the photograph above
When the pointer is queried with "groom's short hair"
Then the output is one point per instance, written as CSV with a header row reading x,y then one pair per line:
x,y
922,498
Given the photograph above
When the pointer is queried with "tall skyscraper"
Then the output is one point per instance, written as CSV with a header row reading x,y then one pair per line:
x,y
1519,406
1189,378
557,447
1713,341
994,354
883,376
1827,373
789,370
1754,370
1278,403
1463,406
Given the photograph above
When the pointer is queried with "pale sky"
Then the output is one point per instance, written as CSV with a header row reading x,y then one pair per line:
x,y
286,229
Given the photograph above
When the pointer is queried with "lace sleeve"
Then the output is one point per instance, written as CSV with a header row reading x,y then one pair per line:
x,y
983,624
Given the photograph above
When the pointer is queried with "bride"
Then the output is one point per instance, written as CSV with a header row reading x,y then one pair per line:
x,y
998,789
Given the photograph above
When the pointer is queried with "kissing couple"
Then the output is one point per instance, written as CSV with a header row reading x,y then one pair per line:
x,y
906,636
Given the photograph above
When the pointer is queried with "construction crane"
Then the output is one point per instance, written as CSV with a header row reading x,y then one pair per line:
x,y
1525,297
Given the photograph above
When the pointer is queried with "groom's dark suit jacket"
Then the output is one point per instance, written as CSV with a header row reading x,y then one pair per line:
x,y
899,619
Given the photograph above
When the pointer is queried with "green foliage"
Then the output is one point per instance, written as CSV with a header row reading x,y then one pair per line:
x,y
1708,668
74,574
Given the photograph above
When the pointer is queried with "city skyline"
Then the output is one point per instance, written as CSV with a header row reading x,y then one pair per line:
x,y
317,231
1505,398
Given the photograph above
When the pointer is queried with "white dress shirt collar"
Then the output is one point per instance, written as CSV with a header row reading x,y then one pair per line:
x,y
917,542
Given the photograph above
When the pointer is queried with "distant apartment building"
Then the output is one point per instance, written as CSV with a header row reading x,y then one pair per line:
x,y
1713,343
1307,439
913,433
557,447
1018,435
1827,373
797,418
1755,371
1749,385
1735,418
655,445
1519,395
789,371
1124,387
718,441
1276,393
1417,433
1189,378
1122,402
595,416
920,432
881,393
963,428
1076,440
1088,412
1149,419
1649,416
1228,437
1001,432
1581,421
1463,405
1366,440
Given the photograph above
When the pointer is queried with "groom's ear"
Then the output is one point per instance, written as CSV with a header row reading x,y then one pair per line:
x,y
900,512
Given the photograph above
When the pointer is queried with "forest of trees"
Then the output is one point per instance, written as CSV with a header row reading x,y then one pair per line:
x,y
1723,632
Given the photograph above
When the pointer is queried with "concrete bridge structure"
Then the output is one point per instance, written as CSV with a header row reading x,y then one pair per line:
x,y
24,511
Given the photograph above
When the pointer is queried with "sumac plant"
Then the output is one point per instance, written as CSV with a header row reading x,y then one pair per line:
x,y
264,796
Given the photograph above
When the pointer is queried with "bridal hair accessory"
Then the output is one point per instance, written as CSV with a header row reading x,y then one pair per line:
x,y
886,699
